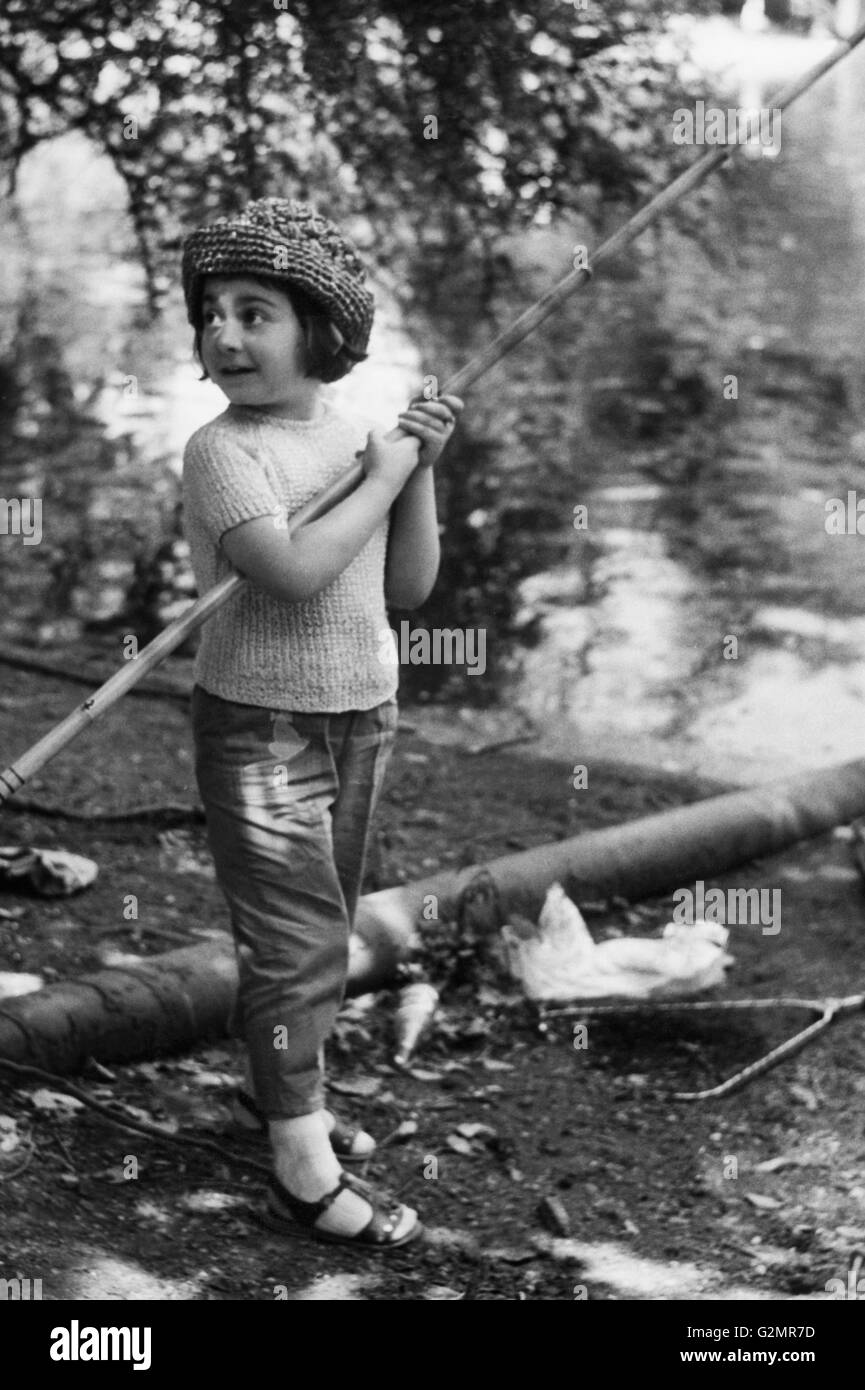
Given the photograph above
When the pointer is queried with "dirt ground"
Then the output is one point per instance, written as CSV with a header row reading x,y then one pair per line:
x,y
542,1172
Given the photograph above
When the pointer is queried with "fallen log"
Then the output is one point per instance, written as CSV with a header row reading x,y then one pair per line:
x,y
170,1002
635,860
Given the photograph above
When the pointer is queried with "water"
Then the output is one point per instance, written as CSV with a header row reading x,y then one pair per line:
x,y
735,545
706,621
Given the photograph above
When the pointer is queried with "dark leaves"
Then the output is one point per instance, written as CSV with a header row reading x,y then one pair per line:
x,y
466,119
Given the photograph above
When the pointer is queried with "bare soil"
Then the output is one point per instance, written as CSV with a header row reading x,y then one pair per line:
x,y
585,1178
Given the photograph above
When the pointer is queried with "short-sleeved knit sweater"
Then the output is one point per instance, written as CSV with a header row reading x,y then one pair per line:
x,y
323,654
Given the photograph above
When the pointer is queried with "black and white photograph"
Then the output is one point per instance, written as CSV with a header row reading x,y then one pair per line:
x,y
432,669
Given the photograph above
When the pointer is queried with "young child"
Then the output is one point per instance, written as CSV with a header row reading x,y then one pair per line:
x,y
294,712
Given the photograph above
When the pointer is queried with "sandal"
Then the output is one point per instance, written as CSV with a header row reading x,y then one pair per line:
x,y
343,1137
378,1232
342,1140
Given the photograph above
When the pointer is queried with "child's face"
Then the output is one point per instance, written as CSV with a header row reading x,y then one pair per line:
x,y
252,344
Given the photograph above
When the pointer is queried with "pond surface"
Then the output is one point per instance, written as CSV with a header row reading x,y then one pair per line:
x,y
713,624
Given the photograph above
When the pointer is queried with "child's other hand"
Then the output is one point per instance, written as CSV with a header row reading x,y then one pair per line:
x,y
432,422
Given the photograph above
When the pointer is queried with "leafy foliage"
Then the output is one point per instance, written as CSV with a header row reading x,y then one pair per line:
x,y
437,133
443,124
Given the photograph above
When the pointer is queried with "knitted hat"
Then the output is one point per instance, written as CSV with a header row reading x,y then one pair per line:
x,y
284,240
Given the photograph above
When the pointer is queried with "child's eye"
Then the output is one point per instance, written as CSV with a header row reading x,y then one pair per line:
x,y
253,316
209,318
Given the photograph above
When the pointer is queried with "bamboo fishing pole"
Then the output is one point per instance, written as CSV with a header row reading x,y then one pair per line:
x,y
136,668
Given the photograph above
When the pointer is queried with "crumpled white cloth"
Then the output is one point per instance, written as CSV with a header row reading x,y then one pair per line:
x,y
560,960
54,873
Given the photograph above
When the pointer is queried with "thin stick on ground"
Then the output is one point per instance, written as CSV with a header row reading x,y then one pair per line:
x,y
125,1121
829,1009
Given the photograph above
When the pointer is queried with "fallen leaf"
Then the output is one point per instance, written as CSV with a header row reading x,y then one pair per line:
x,y
360,1004
362,1086
762,1203
56,1102
552,1213
134,1113
804,1095
511,1254
477,1028
168,1124
488,997
10,1139
214,1057
211,1201
441,1291
94,1068
432,819
772,1256
458,1144
400,1134
771,1165
856,1234
213,1078
115,959
493,1064
476,1131
421,1074
116,1175
150,1211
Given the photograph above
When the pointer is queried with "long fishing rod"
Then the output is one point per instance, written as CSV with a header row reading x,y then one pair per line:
x,y
135,669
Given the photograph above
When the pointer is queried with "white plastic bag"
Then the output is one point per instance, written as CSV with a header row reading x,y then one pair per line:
x,y
53,873
559,960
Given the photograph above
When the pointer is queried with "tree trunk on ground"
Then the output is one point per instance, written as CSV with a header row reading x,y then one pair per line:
x,y
172,1001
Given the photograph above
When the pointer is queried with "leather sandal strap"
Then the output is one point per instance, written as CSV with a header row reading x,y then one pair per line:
x,y
306,1213
343,1137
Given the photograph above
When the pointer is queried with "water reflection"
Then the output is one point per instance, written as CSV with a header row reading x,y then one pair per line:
x,y
735,545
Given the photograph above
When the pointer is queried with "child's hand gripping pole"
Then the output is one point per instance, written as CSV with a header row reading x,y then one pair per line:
x,y
136,668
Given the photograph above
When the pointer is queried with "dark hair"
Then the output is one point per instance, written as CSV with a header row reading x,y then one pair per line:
x,y
327,355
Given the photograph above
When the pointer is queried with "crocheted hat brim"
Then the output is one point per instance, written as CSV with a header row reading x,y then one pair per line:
x,y
290,243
